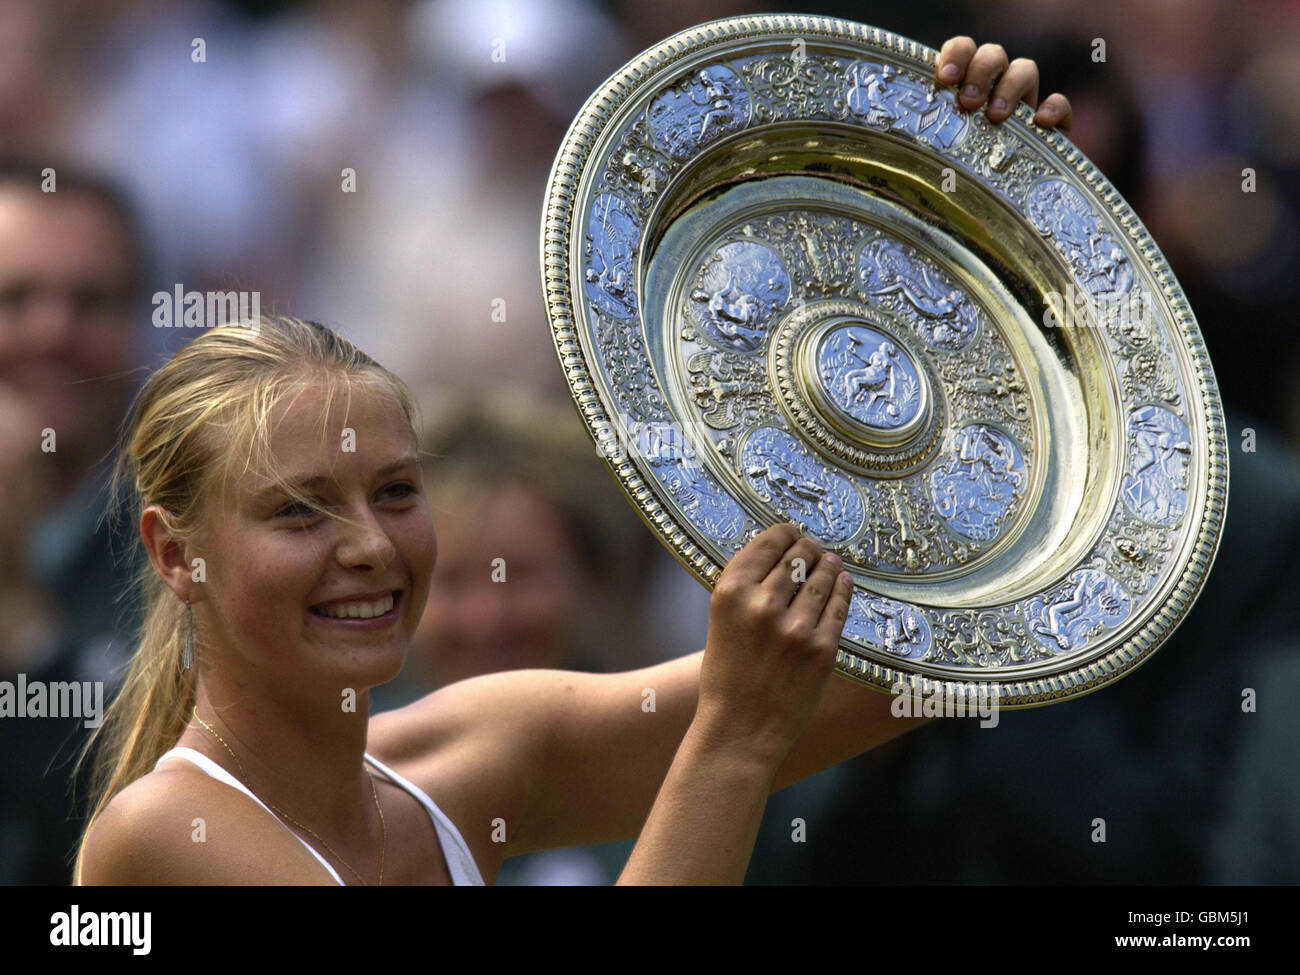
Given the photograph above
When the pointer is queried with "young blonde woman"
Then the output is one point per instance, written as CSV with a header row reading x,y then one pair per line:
x,y
279,500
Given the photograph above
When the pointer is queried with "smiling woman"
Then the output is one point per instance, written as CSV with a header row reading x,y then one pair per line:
x,y
290,548
291,572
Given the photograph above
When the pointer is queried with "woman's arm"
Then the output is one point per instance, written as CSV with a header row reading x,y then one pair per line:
x,y
564,758
705,820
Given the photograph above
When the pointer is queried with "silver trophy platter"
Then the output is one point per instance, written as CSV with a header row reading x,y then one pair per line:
x,y
788,279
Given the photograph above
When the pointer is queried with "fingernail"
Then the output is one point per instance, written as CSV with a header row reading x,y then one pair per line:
x,y
846,580
999,104
833,559
971,91
949,72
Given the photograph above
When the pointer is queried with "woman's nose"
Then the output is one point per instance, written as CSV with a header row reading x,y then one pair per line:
x,y
365,543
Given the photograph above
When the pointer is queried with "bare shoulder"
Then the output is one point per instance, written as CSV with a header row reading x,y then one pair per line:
x,y
177,825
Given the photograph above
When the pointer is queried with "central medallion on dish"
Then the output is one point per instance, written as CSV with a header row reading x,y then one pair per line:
x,y
869,381
852,378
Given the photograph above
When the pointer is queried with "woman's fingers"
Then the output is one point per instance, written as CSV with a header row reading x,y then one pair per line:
x,y
1020,80
793,570
1055,112
983,73
755,561
988,64
801,591
836,611
809,605
954,59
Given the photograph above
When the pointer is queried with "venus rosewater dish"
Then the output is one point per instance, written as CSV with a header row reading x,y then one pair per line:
x,y
790,279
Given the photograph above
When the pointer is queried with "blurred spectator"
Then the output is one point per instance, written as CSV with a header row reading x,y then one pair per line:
x,y
438,266
176,131
70,269
541,563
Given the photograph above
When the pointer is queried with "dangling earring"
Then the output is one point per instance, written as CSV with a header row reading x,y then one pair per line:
x,y
187,654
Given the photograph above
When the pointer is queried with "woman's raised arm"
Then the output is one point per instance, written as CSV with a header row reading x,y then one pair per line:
x,y
563,759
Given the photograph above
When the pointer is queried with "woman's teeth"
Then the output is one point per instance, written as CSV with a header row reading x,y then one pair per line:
x,y
362,611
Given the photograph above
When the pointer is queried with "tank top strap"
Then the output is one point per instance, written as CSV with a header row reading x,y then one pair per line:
x,y
214,770
460,861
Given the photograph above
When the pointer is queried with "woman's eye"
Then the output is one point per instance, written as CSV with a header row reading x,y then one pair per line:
x,y
295,510
399,491
300,510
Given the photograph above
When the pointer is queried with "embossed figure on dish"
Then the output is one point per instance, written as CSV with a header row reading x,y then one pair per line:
x,y
1059,211
1064,619
728,388
700,498
894,627
976,491
698,109
1155,487
737,293
612,234
781,471
887,98
945,316
869,377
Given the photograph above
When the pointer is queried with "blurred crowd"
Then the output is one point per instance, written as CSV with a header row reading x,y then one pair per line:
x,y
208,144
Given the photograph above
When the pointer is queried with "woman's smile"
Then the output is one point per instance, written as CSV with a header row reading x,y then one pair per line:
x,y
367,611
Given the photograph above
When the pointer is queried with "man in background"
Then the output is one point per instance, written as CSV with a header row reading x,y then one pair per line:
x,y
70,275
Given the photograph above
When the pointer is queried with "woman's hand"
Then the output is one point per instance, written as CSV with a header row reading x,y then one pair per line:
x,y
774,627
979,72
771,647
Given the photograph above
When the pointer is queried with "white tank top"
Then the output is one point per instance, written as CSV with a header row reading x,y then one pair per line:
x,y
464,871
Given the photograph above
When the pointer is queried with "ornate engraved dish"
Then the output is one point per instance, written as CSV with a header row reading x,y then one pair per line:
x,y
788,279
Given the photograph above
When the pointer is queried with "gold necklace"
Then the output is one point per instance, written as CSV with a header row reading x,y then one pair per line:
x,y
383,827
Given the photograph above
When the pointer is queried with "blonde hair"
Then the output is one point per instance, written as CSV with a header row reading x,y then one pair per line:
x,y
218,392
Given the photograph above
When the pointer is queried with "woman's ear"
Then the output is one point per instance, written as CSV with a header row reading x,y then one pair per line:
x,y
168,555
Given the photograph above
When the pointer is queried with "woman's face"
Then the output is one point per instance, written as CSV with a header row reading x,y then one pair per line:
x,y
294,596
